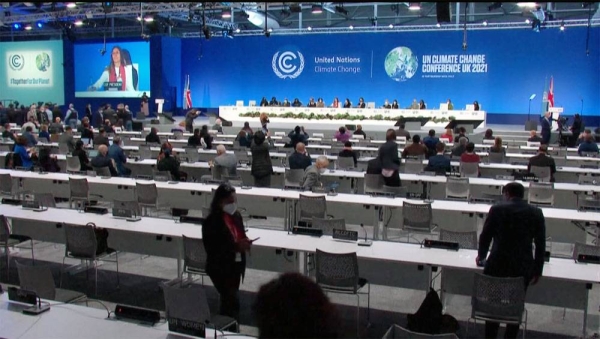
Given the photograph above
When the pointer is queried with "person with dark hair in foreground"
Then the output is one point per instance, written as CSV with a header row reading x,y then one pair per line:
x,y
226,244
390,161
294,306
513,226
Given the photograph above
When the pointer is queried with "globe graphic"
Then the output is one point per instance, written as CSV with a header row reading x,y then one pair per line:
x,y
401,64
42,61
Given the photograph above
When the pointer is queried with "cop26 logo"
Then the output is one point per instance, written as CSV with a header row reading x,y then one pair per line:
x,y
16,62
288,63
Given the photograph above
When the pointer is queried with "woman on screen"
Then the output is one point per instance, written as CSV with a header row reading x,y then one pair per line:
x,y
118,71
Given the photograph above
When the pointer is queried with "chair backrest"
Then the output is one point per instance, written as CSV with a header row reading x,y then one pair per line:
x,y
102,171
312,206
318,135
186,303
45,199
488,141
280,134
73,164
587,249
147,194
38,279
131,205
194,255
457,188
542,173
541,193
417,217
496,157
161,175
328,225
465,239
4,228
398,332
145,152
345,162
192,154
495,297
242,156
63,148
177,134
293,177
587,179
80,241
337,271
413,166
79,188
373,183
469,169
6,184
533,144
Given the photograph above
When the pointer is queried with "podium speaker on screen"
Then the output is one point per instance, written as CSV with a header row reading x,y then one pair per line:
x,y
119,75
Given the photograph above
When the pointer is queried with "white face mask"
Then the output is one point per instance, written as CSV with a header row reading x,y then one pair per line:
x,y
322,170
230,208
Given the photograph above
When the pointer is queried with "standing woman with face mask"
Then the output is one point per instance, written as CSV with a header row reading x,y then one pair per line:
x,y
226,245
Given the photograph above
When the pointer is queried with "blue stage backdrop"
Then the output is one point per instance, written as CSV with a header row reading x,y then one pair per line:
x,y
500,69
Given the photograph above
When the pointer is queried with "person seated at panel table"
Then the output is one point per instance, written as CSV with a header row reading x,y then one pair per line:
x,y
101,138
205,137
361,103
386,104
224,160
7,134
27,155
475,105
48,162
342,135
450,105
245,139
296,103
312,174
103,160
588,146
335,103
165,146
359,131
439,163
431,141
414,104
416,149
293,291
541,159
448,135
116,153
320,103
194,139
171,164
347,103
395,104
286,103
274,102
29,137
533,137
489,134
44,132
264,102
462,133
460,147
80,153
300,159
469,155
422,104
347,152
311,103
152,137
497,147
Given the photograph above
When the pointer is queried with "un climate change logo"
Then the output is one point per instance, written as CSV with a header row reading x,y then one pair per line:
x,y
401,64
16,62
288,64
42,62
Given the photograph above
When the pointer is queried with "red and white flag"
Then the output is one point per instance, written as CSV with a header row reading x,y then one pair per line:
x,y
187,94
551,93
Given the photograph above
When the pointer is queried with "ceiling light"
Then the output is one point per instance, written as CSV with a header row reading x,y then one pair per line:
x,y
17,26
28,27
351,27
71,5
139,18
78,23
526,4
238,30
485,23
527,21
309,28
562,26
317,9
226,14
438,25
414,6
391,26
270,30
39,25
149,18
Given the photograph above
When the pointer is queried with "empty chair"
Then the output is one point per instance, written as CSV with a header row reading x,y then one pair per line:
x,y
63,148
38,278
373,184
398,332
345,162
338,273
192,154
9,239
588,179
498,299
45,199
542,173
189,304
328,225
102,171
496,157
586,249
457,188
293,178
177,134
81,243
79,192
394,191
194,257
413,166
533,144
318,135
10,188
469,169
161,175
465,239
310,207
280,134
416,218
243,157
73,164
541,193
144,152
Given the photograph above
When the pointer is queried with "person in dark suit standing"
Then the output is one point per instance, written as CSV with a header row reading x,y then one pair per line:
x,y
576,128
390,161
226,244
513,226
543,160
546,128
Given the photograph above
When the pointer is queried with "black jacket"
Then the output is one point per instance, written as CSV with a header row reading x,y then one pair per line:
x,y
153,138
220,246
261,160
388,154
542,160
299,161
170,164
83,159
513,226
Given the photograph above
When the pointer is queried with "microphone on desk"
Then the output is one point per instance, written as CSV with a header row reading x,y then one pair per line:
x,y
365,242
208,323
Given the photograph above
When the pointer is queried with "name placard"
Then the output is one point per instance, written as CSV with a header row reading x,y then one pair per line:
x,y
193,328
446,245
345,235
529,178
313,232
